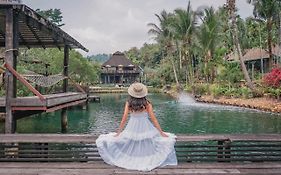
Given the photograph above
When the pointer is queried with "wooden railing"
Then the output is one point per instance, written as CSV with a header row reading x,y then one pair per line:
x,y
189,148
120,71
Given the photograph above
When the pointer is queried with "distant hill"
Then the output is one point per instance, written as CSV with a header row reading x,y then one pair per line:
x,y
100,58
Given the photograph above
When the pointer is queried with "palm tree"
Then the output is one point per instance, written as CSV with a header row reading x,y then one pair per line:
x,y
165,37
231,8
208,36
267,10
183,27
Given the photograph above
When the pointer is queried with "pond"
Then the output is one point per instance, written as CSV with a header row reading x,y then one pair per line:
x,y
178,116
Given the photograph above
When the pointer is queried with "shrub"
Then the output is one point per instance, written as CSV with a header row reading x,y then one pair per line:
x,y
201,89
273,78
246,92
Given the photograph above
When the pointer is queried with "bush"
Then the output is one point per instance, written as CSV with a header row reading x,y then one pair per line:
x,y
246,92
201,89
273,92
273,78
216,90
188,88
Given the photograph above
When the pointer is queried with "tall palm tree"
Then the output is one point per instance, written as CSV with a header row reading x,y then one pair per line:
x,y
231,8
183,27
267,10
208,41
165,37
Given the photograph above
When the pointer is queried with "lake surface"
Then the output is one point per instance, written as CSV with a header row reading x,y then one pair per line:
x,y
178,116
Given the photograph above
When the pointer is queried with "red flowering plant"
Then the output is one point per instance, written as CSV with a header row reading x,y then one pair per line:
x,y
273,78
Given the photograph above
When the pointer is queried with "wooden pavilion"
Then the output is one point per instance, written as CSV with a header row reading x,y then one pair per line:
x,y
119,70
257,59
20,26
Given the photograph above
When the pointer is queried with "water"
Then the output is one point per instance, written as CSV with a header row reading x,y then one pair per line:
x,y
178,116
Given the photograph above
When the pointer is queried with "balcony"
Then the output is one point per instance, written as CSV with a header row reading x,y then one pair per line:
x,y
104,71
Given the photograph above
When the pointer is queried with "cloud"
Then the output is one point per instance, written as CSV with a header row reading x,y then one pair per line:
x,y
105,26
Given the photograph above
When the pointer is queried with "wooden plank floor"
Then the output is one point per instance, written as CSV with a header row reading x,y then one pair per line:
x,y
50,99
96,168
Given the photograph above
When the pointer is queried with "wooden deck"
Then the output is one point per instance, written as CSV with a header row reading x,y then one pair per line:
x,y
97,168
50,103
46,154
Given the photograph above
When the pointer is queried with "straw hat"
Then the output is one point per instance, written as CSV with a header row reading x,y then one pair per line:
x,y
137,90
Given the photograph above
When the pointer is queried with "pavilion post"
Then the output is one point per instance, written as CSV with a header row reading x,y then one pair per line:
x,y
262,69
11,51
64,121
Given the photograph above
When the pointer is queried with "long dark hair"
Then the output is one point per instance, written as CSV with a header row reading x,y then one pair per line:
x,y
137,104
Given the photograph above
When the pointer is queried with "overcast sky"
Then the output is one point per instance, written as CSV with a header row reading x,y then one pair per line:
x,y
106,26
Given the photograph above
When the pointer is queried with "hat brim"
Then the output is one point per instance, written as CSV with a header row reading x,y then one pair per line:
x,y
140,94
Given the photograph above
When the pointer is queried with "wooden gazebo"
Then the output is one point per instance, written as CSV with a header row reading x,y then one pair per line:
x,y
119,70
20,26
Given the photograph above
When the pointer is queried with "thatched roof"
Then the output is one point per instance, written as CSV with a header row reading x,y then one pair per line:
x,y
255,54
250,54
118,59
276,50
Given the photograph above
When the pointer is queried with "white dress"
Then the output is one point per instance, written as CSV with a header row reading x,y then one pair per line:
x,y
139,146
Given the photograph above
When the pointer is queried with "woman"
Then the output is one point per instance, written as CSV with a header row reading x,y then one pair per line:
x,y
142,145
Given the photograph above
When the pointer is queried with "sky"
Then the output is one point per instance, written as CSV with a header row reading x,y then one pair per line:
x,y
107,26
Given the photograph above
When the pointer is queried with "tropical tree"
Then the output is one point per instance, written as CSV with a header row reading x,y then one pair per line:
x,y
183,28
165,37
54,15
208,41
267,10
232,14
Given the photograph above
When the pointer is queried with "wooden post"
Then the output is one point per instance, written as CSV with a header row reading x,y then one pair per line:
x,y
64,121
11,46
262,71
227,150
65,85
65,67
220,150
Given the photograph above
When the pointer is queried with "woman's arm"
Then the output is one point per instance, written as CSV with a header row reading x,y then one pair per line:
x,y
154,120
124,118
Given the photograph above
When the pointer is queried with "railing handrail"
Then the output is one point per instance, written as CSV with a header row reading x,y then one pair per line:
x,y
120,71
88,138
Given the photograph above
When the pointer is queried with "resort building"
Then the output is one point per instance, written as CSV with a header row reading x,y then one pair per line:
x,y
120,70
257,59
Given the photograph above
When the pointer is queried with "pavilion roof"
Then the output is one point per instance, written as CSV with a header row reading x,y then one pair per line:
x,y
35,30
255,54
276,50
118,59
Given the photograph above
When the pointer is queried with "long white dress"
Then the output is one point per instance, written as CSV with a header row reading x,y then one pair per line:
x,y
138,147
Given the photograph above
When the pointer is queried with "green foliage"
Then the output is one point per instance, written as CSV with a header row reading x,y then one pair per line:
x,y
53,15
274,92
201,88
231,73
216,90
80,69
99,58
152,78
188,88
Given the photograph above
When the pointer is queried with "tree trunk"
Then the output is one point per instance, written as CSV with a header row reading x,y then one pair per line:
x,y
180,56
231,5
175,72
279,37
269,43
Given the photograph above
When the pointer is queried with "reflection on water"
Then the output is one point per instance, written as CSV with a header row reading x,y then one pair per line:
x,y
178,116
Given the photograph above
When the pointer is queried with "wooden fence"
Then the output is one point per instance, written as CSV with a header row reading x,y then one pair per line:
x,y
189,148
